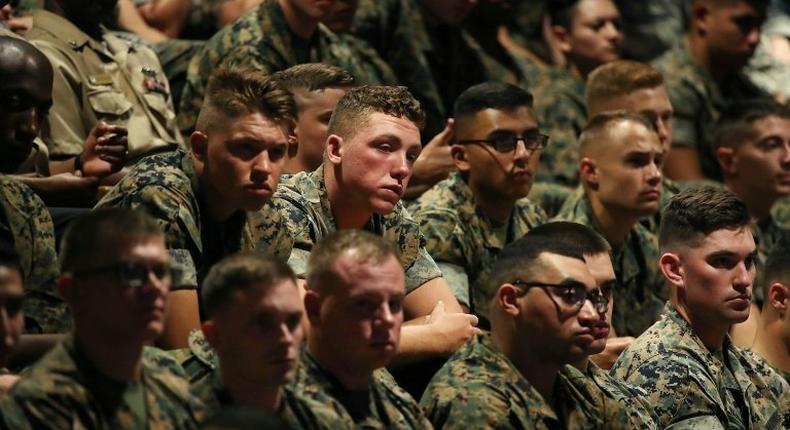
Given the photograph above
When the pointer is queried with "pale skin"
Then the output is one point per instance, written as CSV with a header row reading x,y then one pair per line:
x,y
772,341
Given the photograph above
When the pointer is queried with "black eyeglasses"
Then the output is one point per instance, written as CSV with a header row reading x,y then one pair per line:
x,y
505,143
132,273
570,298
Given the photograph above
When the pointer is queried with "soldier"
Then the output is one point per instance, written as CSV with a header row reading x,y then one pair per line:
x,y
703,73
469,217
373,141
200,198
101,77
354,304
546,313
316,88
588,34
115,276
620,166
694,376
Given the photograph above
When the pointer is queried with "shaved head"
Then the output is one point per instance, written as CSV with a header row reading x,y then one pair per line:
x,y
18,55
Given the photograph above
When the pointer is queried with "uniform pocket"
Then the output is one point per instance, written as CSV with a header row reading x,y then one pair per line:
x,y
158,105
109,102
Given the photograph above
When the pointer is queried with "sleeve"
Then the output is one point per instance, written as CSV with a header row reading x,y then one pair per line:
x,y
442,242
447,407
686,121
421,271
457,280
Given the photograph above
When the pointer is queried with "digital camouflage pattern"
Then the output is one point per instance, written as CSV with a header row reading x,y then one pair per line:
x,y
304,204
29,223
11,415
262,39
479,387
64,390
650,28
388,406
113,80
198,359
371,68
632,398
464,242
780,211
692,387
698,101
640,292
669,189
549,196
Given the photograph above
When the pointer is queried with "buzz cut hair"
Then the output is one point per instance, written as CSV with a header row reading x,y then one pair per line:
x,y
777,266
354,109
491,95
618,79
599,127
313,77
363,246
736,123
694,213
240,90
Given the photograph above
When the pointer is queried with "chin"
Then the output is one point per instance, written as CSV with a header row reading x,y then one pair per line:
x,y
383,207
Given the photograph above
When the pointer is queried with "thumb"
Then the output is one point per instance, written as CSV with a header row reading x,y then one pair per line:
x,y
447,133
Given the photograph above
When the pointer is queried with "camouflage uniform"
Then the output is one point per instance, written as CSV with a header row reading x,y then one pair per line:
x,y
780,212
303,202
64,390
693,387
698,101
388,405
549,196
110,80
652,27
464,242
167,187
479,387
26,221
640,291
11,416
633,398
262,39
198,359
669,189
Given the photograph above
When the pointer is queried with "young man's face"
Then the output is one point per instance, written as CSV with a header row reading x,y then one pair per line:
x,y
602,271
243,161
629,169
651,102
449,12
11,318
595,36
376,163
315,108
495,173
761,163
258,333
360,319
733,32
718,276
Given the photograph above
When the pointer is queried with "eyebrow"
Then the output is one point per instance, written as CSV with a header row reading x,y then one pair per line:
x,y
726,253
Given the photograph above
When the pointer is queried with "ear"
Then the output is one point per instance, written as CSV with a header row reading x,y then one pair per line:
x,y
211,333
199,143
312,307
562,37
507,299
334,150
727,160
777,297
672,269
700,15
458,153
589,172
293,143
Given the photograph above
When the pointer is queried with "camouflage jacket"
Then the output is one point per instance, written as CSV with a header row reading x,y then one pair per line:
x,y
669,189
631,397
698,101
303,202
11,415
690,386
479,387
640,292
64,390
463,241
262,39
652,27
198,359
388,406
28,222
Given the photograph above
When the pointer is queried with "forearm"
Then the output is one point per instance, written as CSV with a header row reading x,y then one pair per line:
x,y
130,19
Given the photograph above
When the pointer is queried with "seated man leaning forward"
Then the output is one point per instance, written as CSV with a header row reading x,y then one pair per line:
x,y
547,313
354,303
693,374
115,277
470,216
372,142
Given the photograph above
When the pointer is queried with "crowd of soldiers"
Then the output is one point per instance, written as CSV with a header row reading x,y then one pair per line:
x,y
410,214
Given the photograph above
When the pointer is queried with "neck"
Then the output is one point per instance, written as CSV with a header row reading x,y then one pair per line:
x,y
614,227
700,56
246,392
711,335
213,201
773,342
295,165
540,374
582,364
758,203
353,376
117,359
345,206
496,208
301,24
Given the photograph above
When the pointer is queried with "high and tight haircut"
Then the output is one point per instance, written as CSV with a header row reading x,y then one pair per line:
x,y
363,246
354,109
571,234
103,230
521,258
560,12
697,212
491,95
736,122
239,272
10,258
617,79
241,90
313,77
777,265
601,124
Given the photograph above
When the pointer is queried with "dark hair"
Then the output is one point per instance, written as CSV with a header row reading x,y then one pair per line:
x,y
491,95
313,77
571,234
100,231
353,110
736,121
697,212
239,272
560,12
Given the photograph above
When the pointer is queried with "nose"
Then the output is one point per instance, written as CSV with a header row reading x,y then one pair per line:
x,y
612,32
785,156
588,314
753,36
653,173
401,170
743,277
385,315
262,166
287,336
29,125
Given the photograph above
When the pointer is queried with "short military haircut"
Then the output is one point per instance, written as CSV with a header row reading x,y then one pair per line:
x,y
777,265
597,130
736,122
102,231
239,272
10,258
236,91
313,77
587,241
354,109
697,212
365,247
618,79
491,95
561,12
521,258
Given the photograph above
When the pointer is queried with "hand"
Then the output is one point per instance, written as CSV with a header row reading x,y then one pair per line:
x,y
435,161
451,330
19,25
614,346
7,381
105,150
